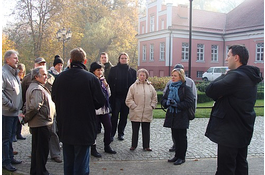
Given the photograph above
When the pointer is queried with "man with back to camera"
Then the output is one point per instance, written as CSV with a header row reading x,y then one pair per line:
x,y
190,83
11,104
232,118
77,93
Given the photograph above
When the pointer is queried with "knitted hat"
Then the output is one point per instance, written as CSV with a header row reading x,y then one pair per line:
x,y
57,60
94,66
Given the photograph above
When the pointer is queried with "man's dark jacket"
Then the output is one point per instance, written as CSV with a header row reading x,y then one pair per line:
x,y
77,93
232,118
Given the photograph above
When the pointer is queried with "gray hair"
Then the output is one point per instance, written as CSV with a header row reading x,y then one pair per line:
x,y
9,53
36,72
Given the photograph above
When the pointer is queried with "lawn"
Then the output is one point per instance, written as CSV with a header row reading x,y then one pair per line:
x,y
204,110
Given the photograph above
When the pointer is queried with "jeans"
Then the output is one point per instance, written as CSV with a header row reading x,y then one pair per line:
x,y
119,108
105,120
9,125
76,159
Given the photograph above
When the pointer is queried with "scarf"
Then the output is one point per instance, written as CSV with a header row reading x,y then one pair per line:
x,y
173,94
106,94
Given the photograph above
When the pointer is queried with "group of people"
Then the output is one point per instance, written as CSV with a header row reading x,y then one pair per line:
x,y
75,102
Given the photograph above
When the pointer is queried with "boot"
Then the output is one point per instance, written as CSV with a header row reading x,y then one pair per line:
x,y
108,149
94,151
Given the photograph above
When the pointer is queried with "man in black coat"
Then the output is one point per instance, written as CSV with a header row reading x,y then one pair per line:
x,y
77,93
232,118
121,77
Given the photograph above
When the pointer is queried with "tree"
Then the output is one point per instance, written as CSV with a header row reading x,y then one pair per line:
x,y
7,44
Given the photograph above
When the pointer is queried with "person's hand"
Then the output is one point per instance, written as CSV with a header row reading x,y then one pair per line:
x,y
173,103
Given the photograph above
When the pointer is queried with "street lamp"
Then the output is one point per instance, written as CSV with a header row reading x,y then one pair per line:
x,y
190,27
64,35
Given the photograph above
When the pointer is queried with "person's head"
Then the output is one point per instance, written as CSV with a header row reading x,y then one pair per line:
x,y
39,62
58,63
97,69
142,75
179,66
21,70
104,58
178,75
11,58
78,55
124,58
237,56
39,74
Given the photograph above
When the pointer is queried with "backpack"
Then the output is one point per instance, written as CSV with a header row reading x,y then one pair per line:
x,y
191,110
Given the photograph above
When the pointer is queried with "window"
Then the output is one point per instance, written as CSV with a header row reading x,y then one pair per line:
x,y
259,52
162,51
162,24
214,53
199,74
152,23
152,52
144,53
143,29
200,52
185,51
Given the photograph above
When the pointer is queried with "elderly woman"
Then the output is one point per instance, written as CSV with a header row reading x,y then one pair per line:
x,y
177,99
141,100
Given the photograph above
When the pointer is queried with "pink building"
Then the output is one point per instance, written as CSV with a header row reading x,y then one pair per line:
x,y
163,37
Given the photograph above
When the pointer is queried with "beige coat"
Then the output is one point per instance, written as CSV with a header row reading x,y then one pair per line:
x,y
141,100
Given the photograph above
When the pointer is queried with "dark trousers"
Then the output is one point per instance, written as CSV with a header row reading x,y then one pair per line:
x,y
19,128
105,120
145,134
76,159
181,144
232,161
119,108
9,124
40,150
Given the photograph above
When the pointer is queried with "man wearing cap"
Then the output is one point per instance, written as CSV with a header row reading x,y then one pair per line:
x,y
54,140
190,83
57,66
11,104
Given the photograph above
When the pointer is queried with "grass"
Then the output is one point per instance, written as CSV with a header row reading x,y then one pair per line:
x,y
205,112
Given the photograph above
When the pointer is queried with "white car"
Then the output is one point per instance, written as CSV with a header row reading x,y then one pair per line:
x,y
214,72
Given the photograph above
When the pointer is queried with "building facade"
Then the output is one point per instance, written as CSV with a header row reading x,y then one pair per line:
x,y
163,37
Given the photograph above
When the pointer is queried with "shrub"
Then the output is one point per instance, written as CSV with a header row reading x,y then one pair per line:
x,y
159,83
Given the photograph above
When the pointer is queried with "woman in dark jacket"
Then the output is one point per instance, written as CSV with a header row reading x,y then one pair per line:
x,y
178,99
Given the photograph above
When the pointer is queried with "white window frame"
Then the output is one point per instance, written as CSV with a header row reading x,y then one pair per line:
x,y
200,52
259,52
185,52
151,52
144,52
214,53
162,24
152,23
162,51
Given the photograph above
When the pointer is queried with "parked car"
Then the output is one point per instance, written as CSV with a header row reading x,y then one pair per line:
x,y
214,72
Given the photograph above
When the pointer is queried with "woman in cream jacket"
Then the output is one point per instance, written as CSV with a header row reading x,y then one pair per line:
x,y
141,100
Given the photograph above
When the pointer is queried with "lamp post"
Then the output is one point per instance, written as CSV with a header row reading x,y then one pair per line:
x,y
64,35
190,38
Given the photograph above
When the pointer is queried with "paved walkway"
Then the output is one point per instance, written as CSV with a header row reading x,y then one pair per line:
x,y
201,153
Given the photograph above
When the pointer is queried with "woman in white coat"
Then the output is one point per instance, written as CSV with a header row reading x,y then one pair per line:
x,y
141,100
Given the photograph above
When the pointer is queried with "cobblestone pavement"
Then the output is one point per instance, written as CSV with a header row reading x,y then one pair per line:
x,y
199,147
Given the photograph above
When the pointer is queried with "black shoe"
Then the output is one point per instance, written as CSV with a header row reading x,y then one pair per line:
x,y
120,138
94,152
9,167
179,162
172,149
20,137
174,159
108,149
57,159
14,161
